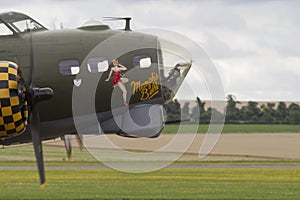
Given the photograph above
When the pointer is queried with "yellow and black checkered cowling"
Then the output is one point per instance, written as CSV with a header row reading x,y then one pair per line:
x,y
13,106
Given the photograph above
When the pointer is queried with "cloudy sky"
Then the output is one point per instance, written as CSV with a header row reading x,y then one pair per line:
x,y
255,45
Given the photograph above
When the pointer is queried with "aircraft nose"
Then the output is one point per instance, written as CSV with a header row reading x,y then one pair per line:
x,y
172,82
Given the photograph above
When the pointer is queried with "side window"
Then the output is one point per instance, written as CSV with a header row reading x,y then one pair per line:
x,y
4,30
97,64
69,67
142,61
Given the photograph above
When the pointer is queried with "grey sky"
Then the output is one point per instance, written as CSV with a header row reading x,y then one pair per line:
x,y
254,45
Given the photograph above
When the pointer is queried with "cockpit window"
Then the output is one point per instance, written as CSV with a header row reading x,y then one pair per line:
x,y
25,25
4,30
142,61
20,23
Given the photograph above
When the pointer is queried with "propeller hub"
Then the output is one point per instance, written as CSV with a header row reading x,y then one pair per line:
x,y
42,94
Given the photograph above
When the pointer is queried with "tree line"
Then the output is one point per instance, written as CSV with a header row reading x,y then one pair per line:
x,y
251,113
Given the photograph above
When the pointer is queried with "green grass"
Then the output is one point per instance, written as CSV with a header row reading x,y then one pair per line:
x,y
237,128
163,184
168,183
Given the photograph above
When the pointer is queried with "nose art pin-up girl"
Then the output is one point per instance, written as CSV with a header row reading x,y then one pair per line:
x,y
118,81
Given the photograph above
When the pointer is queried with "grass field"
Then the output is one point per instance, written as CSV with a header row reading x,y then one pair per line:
x,y
163,184
169,183
237,128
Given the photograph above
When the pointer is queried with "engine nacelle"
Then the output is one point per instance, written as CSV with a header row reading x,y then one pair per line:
x,y
13,104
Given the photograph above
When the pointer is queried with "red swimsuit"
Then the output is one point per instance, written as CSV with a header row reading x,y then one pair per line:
x,y
116,77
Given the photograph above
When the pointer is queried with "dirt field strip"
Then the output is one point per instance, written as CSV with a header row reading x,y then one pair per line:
x,y
281,145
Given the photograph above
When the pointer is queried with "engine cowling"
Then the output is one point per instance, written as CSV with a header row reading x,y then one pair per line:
x,y
13,104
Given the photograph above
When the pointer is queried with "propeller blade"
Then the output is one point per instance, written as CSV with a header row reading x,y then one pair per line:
x,y
34,96
37,144
31,72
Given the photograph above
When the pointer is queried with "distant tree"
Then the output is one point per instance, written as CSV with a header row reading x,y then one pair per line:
x,y
195,114
213,116
186,110
173,110
293,107
200,105
293,117
250,113
268,113
199,114
253,112
293,114
232,112
177,109
267,118
198,110
281,112
244,114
